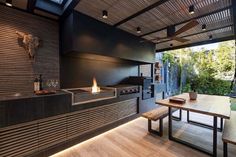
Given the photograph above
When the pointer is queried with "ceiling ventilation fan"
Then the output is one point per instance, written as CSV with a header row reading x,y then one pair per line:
x,y
172,34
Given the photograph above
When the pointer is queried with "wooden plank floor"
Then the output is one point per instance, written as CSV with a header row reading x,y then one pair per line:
x,y
133,140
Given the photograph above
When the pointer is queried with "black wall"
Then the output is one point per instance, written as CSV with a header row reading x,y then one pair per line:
x,y
79,71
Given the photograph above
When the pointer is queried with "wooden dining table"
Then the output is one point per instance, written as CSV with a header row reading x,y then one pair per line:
x,y
211,105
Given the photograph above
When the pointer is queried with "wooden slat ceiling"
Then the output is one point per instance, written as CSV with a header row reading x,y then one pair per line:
x,y
117,9
170,12
212,21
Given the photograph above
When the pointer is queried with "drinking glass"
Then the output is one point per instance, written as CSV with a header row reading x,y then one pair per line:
x,y
49,84
56,83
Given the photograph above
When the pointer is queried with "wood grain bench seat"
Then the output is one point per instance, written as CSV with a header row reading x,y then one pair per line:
x,y
158,114
229,132
154,115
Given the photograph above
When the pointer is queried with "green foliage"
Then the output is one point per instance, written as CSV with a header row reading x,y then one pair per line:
x,y
208,72
225,55
186,88
233,104
209,85
168,58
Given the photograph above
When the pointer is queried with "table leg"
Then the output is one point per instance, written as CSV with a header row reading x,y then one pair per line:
x,y
215,137
170,124
225,149
221,124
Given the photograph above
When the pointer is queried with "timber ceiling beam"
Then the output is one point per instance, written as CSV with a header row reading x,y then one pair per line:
x,y
189,35
160,2
197,44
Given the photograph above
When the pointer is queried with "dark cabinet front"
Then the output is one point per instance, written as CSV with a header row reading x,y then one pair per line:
x,y
30,138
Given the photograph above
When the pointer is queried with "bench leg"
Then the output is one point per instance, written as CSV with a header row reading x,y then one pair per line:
x,y
160,132
178,118
161,127
221,124
225,149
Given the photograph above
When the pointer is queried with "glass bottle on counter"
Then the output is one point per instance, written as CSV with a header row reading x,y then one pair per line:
x,y
36,85
40,82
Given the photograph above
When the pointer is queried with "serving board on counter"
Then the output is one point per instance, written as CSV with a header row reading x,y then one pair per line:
x,y
45,92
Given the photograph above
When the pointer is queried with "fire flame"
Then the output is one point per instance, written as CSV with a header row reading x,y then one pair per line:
x,y
95,88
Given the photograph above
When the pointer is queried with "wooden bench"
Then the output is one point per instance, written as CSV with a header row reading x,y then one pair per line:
x,y
229,132
158,114
154,115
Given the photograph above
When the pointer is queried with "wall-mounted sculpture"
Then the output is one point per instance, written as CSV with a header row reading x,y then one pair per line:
x,y
29,42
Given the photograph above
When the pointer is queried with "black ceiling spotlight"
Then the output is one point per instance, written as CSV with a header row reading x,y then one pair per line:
x,y
139,30
104,14
191,9
204,27
171,45
9,3
210,37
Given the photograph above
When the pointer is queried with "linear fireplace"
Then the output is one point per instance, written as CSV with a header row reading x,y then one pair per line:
x,y
91,94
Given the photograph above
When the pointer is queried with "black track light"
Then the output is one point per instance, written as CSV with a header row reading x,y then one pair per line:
x,y
139,30
104,14
9,3
210,37
204,27
191,9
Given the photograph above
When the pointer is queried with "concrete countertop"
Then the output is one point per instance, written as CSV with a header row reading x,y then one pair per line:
x,y
18,96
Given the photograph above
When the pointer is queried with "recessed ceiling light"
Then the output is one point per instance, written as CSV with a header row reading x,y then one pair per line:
x,y
9,3
204,27
104,14
171,45
191,9
210,37
139,30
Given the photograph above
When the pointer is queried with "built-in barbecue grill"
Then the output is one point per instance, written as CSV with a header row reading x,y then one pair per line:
x,y
146,83
125,89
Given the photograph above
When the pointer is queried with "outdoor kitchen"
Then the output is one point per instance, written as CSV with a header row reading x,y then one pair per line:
x,y
90,78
